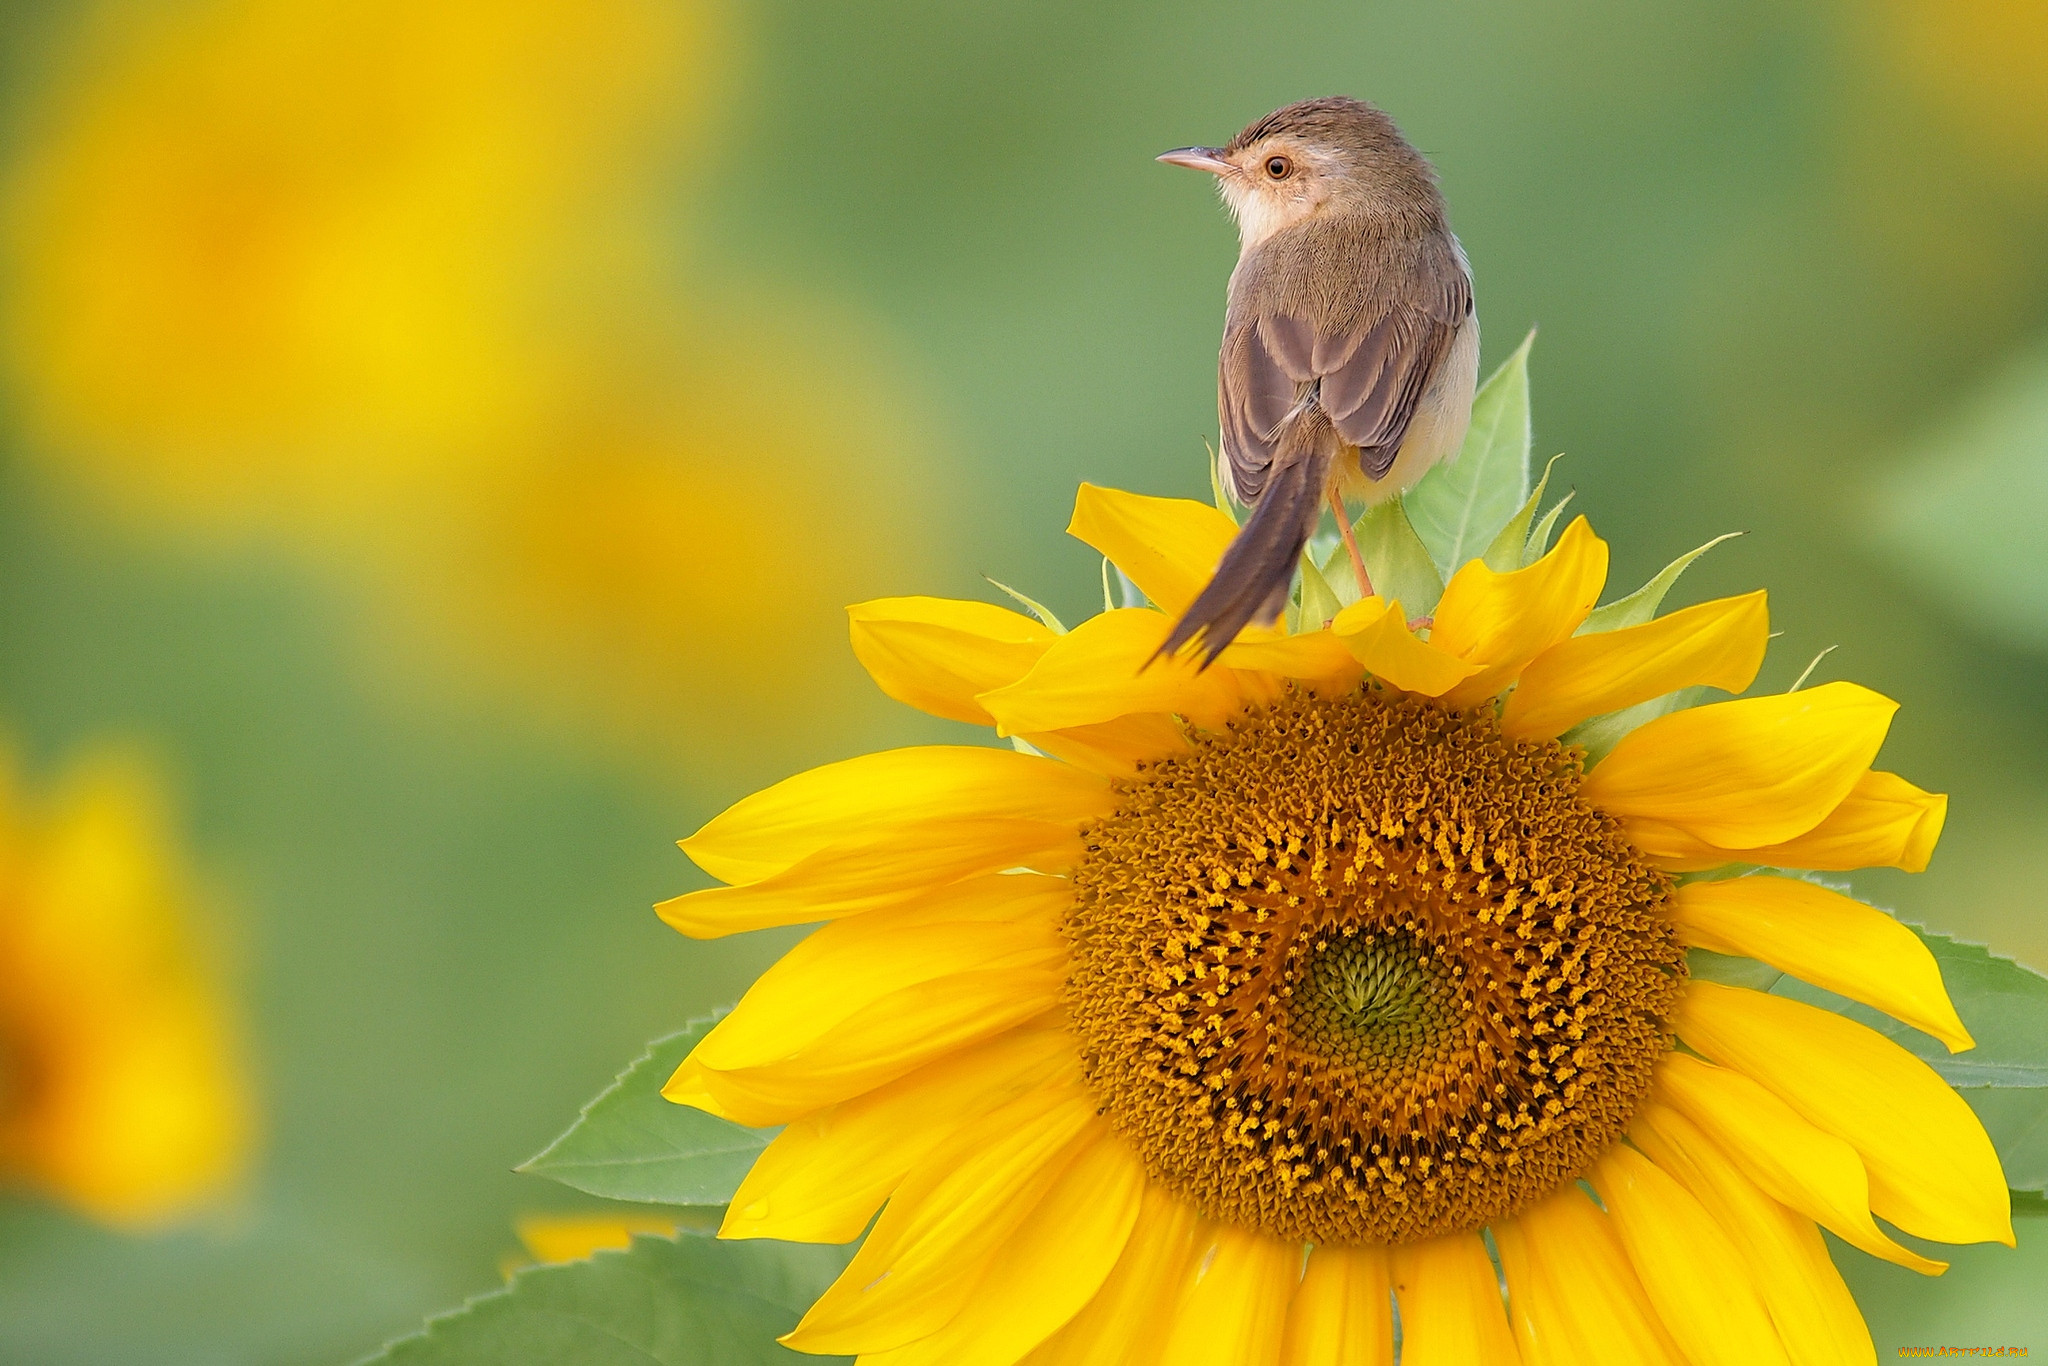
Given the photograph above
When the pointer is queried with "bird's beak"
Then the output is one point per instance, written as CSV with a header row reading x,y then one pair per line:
x,y
1208,159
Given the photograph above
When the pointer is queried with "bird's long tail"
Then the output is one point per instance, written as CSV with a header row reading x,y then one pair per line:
x,y
1253,578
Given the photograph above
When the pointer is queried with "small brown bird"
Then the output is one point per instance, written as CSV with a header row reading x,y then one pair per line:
x,y
1350,346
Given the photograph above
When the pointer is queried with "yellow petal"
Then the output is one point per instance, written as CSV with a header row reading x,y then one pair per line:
x,y
1717,644
1788,1262
937,654
1049,1268
1692,1273
825,1175
1750,772
1884,822
1502,621
931,1245
880,1042
1127,1321
1377,634
1235,1311
1823,937
1115,749
1790,1160
1932,1170
835,883
881,830
886,796
1317,658
1343,1310
1169,546
1104,668
986,924
1572,1294
868,999
1451,1310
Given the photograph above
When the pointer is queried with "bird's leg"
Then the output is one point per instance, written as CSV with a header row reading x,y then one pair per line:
x,y
1351,544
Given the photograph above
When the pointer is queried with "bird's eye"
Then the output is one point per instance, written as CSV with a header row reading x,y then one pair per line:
x,y
1279,167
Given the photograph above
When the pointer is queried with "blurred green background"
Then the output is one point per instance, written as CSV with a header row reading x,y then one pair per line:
x,y
443,437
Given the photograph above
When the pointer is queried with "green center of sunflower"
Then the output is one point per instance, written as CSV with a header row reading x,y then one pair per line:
x,y
1364,997
1362,969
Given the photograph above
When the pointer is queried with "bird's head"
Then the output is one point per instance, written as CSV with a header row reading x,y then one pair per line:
x,y
1326,156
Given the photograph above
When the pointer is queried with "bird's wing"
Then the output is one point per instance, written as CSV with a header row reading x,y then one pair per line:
x,y
1255,394
1370,368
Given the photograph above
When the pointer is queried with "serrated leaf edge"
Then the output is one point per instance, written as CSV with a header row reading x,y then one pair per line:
x,y
530,1167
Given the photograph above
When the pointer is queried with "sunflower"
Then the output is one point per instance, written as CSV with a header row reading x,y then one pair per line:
x,y
1234,1015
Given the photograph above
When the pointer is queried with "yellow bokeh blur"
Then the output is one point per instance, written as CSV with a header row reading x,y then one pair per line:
x,y
285,260
411,292
122,1091
554,1238
1981,68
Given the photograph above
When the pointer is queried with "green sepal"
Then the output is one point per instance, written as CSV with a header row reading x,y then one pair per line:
x,y
1600,734
1641,605
1031,605
1509,549
1539,539
1460,506
1316,602
687,1301
1225,504
1395,557
630,1144
1807,672
1119,589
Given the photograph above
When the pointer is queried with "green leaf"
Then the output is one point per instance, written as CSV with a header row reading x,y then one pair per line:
x,y
1600,734
690,1301
1459,507
1508,549
1966,512
2002,1004
1318,602
1395,557
2016,1118
2005,1077
1730,970
630,1144
1539,539
1641,605
1031,605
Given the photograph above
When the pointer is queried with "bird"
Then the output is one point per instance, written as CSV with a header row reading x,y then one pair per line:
x,y
1350,343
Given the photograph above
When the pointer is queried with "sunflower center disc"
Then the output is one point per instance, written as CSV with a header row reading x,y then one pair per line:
x,y
1363,969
